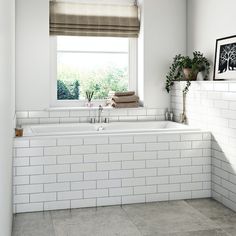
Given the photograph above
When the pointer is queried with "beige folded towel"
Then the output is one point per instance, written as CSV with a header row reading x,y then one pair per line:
x,y
129,93
125,99
125,105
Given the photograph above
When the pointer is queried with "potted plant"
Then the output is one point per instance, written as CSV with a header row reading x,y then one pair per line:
x,y
89,96
186,68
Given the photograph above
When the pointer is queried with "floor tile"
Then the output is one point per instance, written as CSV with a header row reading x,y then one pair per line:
x,y
221,215
167,217
103,221
31,224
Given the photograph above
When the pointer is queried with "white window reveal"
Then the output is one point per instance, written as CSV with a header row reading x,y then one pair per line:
x,y
96,64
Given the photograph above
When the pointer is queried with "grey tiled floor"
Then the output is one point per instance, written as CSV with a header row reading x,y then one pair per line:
x,y
204,217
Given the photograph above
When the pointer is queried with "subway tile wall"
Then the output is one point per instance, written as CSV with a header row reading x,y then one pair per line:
x,y
211,105
74,172
83,115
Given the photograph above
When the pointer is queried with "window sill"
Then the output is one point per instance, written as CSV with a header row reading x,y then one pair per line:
x,y
89,108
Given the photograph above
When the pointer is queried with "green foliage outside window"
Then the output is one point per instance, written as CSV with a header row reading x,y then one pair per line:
x,y
73,84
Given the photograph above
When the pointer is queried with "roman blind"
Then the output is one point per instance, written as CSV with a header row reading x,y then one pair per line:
x,y
81,19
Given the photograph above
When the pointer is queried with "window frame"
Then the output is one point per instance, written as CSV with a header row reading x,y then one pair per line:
x,y
82,103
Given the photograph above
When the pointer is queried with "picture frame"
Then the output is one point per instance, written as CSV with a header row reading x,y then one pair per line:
x,y
225,59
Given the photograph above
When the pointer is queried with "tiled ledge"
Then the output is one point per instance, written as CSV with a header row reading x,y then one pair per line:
x,y
89,108
83,115
211,85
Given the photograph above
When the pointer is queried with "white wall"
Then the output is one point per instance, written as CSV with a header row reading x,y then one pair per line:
x,y
7,112
158,45
163,36
207,21
32,54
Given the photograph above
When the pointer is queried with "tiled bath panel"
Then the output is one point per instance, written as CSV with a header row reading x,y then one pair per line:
x,y
83,115
64,172
212,106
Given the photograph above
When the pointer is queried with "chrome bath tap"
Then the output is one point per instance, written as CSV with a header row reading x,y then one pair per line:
x,y
100,109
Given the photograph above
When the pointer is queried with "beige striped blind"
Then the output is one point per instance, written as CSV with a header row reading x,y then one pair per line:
x,y
77,19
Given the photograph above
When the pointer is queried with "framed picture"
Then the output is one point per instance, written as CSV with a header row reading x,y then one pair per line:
x,y
225,59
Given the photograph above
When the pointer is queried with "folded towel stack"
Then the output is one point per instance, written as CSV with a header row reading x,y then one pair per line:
x,y
125,100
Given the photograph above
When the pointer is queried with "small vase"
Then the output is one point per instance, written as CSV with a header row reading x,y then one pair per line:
x,y
189,74
89,104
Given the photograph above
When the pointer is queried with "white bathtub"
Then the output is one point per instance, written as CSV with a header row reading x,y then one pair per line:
x,y
114,127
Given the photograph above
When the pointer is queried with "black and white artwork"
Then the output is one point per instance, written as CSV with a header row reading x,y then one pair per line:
x,y
225,59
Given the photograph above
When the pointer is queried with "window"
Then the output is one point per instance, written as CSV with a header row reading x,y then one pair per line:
x,y
98,64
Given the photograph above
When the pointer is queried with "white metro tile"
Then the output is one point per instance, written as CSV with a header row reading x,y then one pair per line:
x,y
191,186
56,187
29,207
69,195
42,179
157,197
55,169
145,172
133,164
70,159
42,142
84,167
133,182
24,152
168,154
118,139
95,158
56,151
45,160
19,143
187,137
180,195
23,198
133,199
32,188
29,170
169,171
69,177
108,201
43,197
38,114
96,175
145,155
165,188
109,166
145,189
108,148
123,156
117,174
157,146
19,180
69,141
56,205
83,203
157,163
95,193
180,145
111,183
83,185
120,191
83,149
